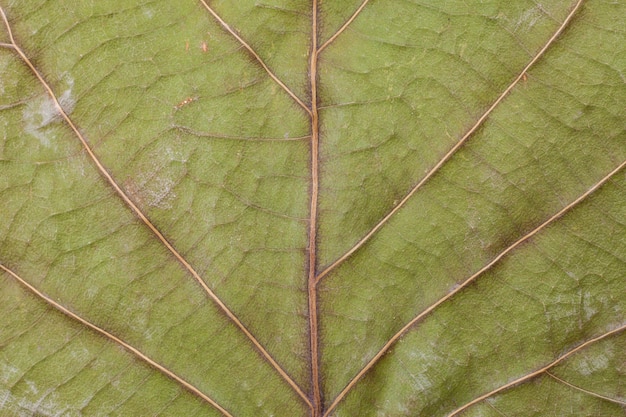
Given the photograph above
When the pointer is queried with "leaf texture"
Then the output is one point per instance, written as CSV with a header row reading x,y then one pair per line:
x,y
313,208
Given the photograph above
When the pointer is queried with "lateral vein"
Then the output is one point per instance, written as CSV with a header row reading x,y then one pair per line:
x,y
256,56
539,371
190,387
577,388
343,27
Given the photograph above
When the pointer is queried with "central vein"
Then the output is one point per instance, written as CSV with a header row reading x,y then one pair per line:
x,y
317,396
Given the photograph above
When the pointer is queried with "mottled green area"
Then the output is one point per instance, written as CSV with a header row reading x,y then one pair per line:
x,y
59,366
594,368
546,397
230,194
510,177
580,386
557,291
396,97
217,155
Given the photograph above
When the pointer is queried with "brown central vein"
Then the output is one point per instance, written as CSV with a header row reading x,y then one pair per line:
x,y
146,221
467,282
539,371
312,290
135,351
455,148
255,55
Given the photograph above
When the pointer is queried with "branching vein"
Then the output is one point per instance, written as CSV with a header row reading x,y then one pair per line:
x,y
467,282
454,149
343,28
255,55
537,372
593,394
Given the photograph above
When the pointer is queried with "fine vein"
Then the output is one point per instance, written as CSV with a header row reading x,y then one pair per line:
x,y
312,290
238,138
454,149
117,340
467,282
537,372
255,55
343,28
577,388
146,221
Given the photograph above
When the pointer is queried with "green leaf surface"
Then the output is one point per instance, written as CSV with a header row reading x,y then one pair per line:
x,y
313,208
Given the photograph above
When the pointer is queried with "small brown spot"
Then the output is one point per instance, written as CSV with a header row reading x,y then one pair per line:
x,y
204,47
185,102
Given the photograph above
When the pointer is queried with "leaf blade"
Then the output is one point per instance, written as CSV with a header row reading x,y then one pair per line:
x,y
202,121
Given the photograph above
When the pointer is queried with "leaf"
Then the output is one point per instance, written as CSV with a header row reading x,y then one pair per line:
x,y
290,208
